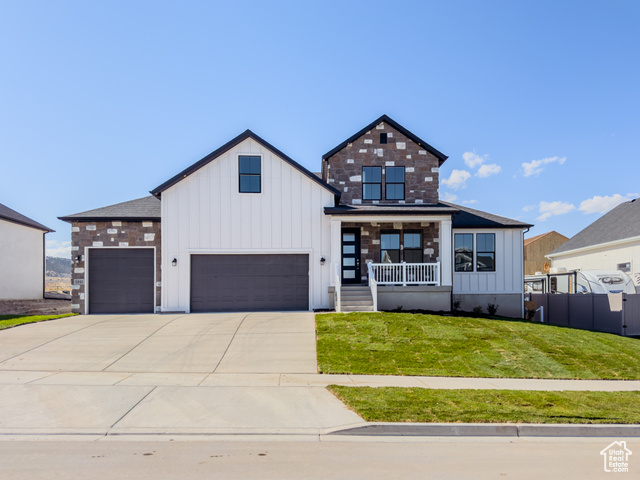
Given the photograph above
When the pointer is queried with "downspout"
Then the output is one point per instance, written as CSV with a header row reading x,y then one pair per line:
x,y
44,266
524,232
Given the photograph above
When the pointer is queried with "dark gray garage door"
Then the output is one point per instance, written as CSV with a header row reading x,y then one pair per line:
x,y
227,283
121,280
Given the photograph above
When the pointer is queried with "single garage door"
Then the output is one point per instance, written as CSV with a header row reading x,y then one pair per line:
x,y
227,283
121,280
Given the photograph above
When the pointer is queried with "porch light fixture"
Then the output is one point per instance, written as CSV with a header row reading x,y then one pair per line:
x,y
322,260
174,262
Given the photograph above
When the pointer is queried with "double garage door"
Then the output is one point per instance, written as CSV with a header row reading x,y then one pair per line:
x,y
227,283
121,280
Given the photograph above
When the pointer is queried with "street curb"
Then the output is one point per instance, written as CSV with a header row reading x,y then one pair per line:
x,y
490,430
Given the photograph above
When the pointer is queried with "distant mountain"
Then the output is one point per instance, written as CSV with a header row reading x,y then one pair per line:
x,y
58,267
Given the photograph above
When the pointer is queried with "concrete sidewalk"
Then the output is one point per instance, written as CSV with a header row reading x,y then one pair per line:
x,y
178,379
193,375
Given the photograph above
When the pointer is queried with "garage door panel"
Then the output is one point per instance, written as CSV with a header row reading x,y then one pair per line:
x,y
249,282
121,281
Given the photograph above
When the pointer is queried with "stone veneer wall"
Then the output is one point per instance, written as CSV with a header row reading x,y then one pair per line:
x,y
109,234
370,240
343,170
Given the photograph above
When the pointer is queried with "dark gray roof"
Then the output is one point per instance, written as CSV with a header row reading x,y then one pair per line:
x,y
470,218
146,208
463,217
12,216
395,209
620,223
229,145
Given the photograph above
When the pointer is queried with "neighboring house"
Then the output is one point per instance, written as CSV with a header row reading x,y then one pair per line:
x,y
610,243
22,256
248,228
536,250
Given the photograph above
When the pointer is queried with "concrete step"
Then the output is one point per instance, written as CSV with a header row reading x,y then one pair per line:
x,y
349,298
357,309
356,289
357,303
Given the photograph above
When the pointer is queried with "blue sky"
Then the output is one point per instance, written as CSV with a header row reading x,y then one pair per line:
x,y
536,103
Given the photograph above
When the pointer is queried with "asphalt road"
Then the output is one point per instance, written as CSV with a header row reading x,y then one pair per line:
x,y
252,458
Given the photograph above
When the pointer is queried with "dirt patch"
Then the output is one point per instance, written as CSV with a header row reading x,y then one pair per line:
x,y
58,284
35,307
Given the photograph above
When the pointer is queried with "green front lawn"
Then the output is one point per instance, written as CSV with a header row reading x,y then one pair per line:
x,y
489,406
412,344
7,321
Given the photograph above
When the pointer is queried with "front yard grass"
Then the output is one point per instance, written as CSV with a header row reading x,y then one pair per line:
x,y
8,321
383,343
392,404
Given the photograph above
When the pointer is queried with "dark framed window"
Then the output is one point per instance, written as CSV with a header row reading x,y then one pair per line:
x,y
249,169
463,246
371,183
394,183
624,267
486,252
390,246
383,138
412,246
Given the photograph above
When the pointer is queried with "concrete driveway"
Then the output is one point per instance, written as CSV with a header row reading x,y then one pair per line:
x,y
200,373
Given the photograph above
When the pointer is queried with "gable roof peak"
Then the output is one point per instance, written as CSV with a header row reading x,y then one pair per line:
x,y
384,118
228,146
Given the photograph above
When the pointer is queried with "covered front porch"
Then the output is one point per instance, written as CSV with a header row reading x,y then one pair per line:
x,y
404,261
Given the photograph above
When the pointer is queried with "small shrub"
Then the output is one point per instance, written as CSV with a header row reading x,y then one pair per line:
x,y
456,305
492,308
477,310
529,314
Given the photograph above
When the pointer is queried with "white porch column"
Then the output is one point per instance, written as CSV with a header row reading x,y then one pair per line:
x,y
336,245
446,253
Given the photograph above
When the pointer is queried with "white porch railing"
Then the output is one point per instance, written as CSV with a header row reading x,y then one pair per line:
x,y
373,285
405,273
338,286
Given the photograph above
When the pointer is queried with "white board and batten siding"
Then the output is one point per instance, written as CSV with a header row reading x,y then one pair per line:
x,y
509,274
21,262
206,214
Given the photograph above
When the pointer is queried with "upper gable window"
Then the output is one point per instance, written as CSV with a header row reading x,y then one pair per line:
x,y
394,183
371,183
383,138
249,169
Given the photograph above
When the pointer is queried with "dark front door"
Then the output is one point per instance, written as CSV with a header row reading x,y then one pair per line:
x,y
350,255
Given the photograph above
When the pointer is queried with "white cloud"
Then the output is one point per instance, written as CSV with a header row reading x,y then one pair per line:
x,y
57,248
598,204
448,197
457,179
534,167
470,202
549,209
472,160
488,169
528,208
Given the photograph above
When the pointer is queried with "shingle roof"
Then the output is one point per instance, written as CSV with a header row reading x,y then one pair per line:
x,y
389,121
229,145
412,209
463,217
146,208
471,218
10,215
620,223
